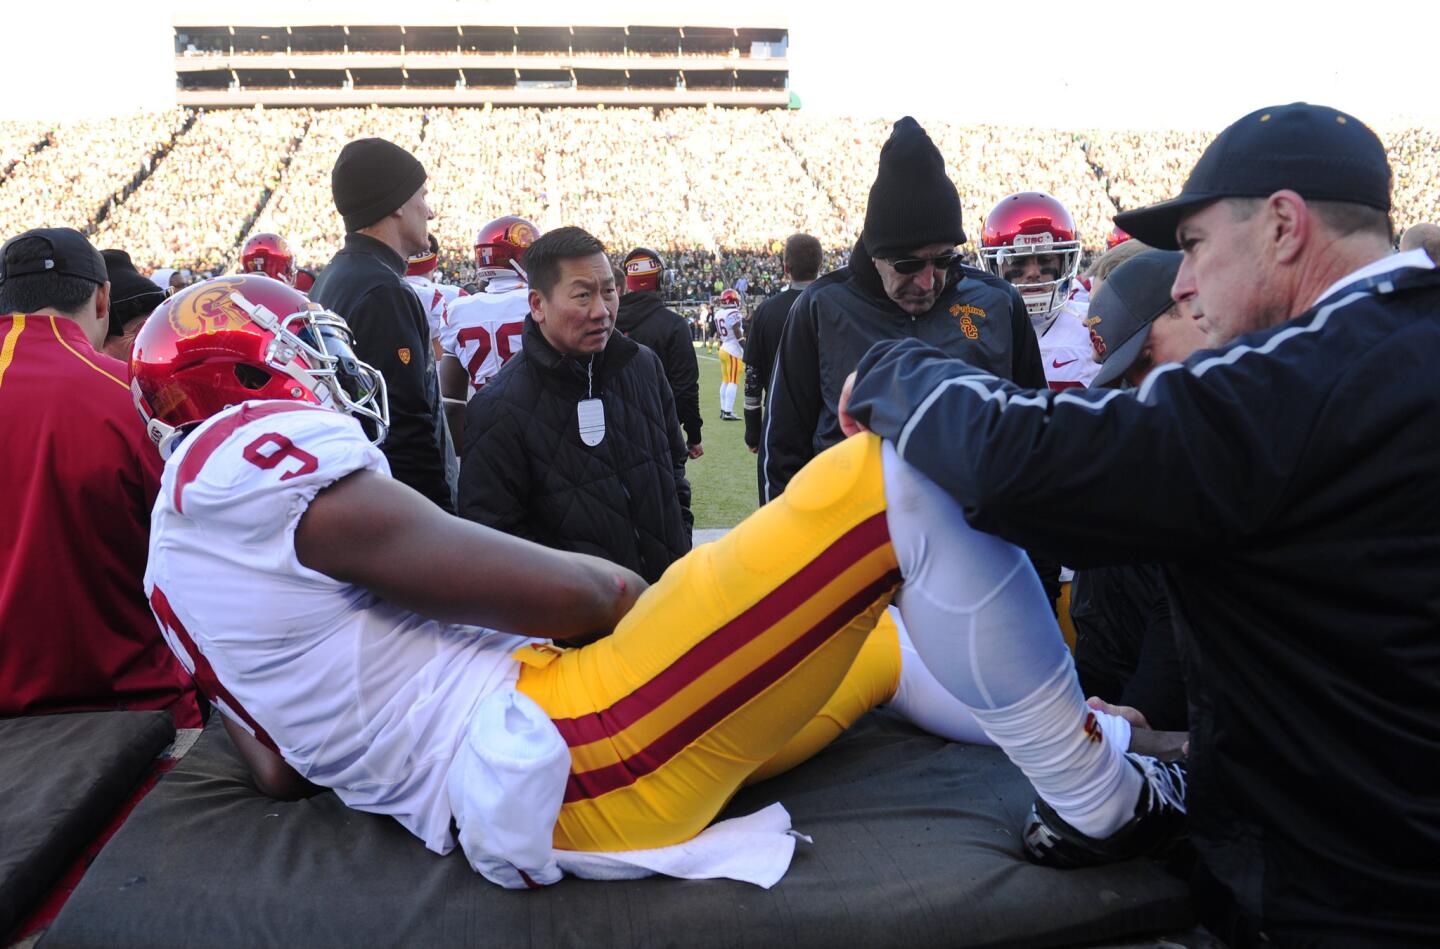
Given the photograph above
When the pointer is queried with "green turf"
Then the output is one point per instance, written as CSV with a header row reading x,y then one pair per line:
x,y
723,479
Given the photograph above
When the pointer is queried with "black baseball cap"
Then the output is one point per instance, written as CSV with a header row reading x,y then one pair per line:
x,y
59,250
1318,152
1122,313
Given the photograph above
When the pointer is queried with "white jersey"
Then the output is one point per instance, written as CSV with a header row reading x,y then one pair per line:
x,y
357,694
435,298
727,328
1065,348
485,329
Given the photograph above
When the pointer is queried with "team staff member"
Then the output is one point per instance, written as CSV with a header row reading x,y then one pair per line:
x,y
132,297
1289,490
904,280
379,189
801,261
644,318
574,443
79,477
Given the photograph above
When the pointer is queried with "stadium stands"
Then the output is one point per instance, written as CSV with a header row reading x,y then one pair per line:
x,y
715,188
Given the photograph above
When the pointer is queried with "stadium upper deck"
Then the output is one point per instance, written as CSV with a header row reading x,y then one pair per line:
x,y
325,55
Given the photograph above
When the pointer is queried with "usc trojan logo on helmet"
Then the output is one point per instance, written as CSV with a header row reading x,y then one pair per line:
x,y
520,233
208,309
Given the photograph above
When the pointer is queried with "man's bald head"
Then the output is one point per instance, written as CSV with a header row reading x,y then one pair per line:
x,y
1424,236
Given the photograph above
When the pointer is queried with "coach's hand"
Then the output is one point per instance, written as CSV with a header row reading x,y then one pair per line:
x,y
848,425
695,450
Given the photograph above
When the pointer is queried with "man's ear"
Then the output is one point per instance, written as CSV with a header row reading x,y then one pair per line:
x,y
537,305
1289,225
102,302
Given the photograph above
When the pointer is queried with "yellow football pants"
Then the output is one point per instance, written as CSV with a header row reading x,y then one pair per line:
x,y
732,368
740,662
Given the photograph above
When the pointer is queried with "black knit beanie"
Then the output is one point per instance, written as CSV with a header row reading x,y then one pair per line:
x,y
131,295
912,202
371,178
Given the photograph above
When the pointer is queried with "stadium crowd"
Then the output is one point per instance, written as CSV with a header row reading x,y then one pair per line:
x,y
716,188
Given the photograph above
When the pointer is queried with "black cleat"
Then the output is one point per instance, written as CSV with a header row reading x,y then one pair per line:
x,y
729,417
1156,829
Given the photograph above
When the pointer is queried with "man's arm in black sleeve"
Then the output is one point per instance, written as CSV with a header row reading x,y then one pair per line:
x,y
678,452
386,326
494,475
793,401
754,383
683,372
1158,686
1057,472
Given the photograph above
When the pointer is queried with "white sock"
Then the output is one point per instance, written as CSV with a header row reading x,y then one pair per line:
x,y
1072,754
979,620
924,701
727,397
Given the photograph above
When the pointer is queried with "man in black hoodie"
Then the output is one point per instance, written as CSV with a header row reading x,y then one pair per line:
x,y
644,318
904,280
574,443
379,190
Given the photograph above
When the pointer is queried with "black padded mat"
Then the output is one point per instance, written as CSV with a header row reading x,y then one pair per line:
x,y
62,777
916,844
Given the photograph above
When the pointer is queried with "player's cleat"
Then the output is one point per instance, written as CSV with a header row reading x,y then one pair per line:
x,y
729,417
1157,827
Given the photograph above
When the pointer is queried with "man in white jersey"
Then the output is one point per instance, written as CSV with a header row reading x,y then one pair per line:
x,y
1029,241
282,573
482,331
730,330
434,297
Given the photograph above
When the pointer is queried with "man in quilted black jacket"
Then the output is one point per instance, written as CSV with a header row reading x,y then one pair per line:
x,y
575,443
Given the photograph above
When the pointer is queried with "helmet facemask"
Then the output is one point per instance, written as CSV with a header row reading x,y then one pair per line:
x,y
1044,298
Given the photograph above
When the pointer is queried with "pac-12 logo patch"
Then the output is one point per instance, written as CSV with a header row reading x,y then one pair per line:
x,y
207,309
404,353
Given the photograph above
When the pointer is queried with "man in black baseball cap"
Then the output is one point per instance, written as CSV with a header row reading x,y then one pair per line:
x,y
132,298
56,268
1286,481
1134,323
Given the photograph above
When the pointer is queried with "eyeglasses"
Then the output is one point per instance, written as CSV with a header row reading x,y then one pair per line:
x,y
913,265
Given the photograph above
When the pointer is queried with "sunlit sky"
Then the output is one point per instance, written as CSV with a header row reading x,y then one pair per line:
x,y
1102,63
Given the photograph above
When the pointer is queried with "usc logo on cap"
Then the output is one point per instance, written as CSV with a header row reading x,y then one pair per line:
x,y
208,309
642,267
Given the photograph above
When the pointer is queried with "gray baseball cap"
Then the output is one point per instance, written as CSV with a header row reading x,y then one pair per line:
x,y
1128,303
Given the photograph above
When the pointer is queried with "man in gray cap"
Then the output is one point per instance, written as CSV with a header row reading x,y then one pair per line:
x,y
379,190
1135,325
1289,491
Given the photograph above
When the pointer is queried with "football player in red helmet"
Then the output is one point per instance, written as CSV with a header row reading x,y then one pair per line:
x,y
423,265
730,329
1029,241
500,247
268,254
434,296
234,339
1116,238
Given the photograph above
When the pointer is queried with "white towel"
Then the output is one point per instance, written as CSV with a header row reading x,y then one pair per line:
x,y
506,787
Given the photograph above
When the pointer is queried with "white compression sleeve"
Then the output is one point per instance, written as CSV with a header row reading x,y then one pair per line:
x,y
980,622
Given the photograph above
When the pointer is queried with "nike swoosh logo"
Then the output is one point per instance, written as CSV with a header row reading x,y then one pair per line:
x,y
1057,364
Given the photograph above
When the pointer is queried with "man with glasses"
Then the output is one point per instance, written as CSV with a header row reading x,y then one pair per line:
x,y
904,280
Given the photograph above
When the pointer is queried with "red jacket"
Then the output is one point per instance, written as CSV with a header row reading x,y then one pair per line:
x,y
78,477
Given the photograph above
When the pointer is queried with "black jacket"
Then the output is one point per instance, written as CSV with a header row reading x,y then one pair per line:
x,y
364,284
526,472
644,318
761,343
1288,485
977,317
1125,641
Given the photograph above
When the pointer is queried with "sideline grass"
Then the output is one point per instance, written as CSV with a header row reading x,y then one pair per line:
x,y
723,479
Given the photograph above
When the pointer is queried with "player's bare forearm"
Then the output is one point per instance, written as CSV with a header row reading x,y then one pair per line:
x,y
372,531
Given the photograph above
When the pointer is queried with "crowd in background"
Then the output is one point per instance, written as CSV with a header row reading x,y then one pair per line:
x,y
715,189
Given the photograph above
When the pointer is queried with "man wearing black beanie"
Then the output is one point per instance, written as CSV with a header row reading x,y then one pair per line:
x,y
379,190
904,280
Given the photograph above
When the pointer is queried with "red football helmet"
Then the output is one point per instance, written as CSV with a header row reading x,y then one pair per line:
x,y
422,265
304,280
270,255
500,247
729,297
1116,238
1027,229
231,339
645,270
